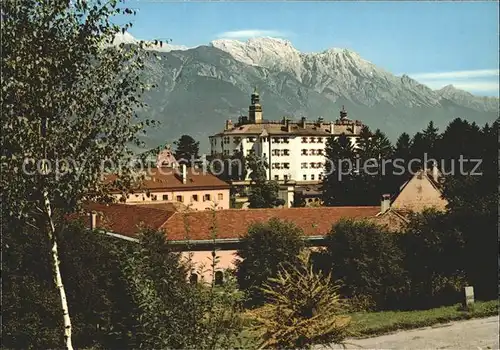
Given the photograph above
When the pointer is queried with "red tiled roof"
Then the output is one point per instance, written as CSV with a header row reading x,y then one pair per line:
x,y
126,219
171,179
233,223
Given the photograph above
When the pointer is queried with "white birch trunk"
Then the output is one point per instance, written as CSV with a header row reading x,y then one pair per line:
x,y
57,273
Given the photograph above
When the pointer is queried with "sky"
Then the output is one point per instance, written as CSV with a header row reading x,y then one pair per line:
x,y
437,43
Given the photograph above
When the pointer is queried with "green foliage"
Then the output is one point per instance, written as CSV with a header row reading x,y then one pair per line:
x,y
439,278
263,193
263,249
304,309
187,150
80,92
171,312
94,283
338,185
368,261
298,200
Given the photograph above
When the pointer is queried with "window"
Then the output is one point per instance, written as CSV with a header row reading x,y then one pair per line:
x,y
312,176
194,198
304,152
285,177
153,197
284,140
304,177
320,177
219,278
251,139
276,177
313,152
303,165
220,196
206,197
320,139
312,140
304,140
286,165
313,165
286,152
320,152
237,139
276,152
193,279
180,199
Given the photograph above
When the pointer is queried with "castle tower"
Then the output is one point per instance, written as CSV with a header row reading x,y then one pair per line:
x,y
343,114
255,109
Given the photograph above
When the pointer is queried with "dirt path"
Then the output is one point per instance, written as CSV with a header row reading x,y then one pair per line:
x,y
477,334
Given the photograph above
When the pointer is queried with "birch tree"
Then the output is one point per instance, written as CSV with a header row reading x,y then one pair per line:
x,y
69,110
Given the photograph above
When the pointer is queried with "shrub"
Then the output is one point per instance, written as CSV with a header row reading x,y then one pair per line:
x,y
304,309
368,261
171,312
434,259
264,248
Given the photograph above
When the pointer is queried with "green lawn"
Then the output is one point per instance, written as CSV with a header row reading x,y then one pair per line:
x,y
366,324
375,323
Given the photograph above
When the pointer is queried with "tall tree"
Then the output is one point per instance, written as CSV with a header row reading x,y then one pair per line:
x,y
263,193
338,184
69,103
431,137
401,156
187,150
263,249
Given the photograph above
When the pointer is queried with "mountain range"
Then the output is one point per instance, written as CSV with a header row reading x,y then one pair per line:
x,y
199,88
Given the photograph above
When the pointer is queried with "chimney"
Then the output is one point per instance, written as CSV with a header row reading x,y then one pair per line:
x,y
332,128
303,122
229,124
184,176
93,220
288,126
385,203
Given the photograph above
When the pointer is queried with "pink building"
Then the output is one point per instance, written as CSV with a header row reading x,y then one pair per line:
x,y
191,188
197,233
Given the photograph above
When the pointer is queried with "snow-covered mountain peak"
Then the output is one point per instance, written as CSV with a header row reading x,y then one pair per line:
x,y
266,52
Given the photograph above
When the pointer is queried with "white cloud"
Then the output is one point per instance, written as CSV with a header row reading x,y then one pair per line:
x,y
464,74
472,86
250,33
475,81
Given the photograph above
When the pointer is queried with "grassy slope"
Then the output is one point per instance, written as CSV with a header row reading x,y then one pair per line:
x,y
370,324
376,323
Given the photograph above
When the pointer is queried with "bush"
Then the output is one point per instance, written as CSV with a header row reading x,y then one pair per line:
x,y
304,309
264,248
171,312
95,287
434,260
368,261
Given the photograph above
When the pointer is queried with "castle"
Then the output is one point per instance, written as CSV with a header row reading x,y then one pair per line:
x,y
294,150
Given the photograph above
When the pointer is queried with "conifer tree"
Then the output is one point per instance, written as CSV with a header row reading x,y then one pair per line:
x,y
338,184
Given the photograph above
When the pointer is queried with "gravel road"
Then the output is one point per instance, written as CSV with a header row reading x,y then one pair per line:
x,y
477,334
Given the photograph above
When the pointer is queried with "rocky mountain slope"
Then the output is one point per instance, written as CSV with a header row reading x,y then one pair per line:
x,y
199,88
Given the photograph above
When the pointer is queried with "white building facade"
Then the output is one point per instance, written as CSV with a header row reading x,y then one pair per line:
x,y
294,151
